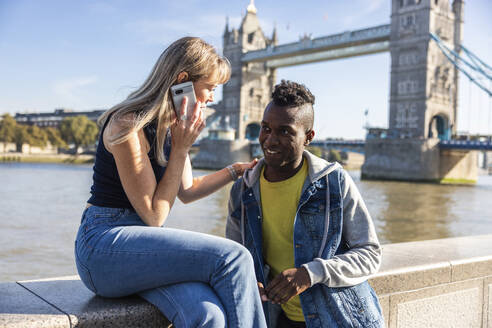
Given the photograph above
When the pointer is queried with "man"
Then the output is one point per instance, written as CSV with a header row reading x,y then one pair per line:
x,y
302,218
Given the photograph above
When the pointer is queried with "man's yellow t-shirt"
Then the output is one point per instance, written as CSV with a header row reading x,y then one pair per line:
x,y
279,202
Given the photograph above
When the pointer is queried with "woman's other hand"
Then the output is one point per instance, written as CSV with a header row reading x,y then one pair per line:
x,y
240,167
186,128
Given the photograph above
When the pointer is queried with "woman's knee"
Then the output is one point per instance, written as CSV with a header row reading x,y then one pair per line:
x,y
239,256
209,314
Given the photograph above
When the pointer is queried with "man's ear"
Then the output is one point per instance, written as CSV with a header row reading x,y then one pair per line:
x,y
309,137
182,77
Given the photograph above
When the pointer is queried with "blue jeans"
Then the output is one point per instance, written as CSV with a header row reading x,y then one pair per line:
x,y
196,280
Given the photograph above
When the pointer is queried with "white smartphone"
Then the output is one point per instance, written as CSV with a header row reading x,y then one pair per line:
x,y
179,91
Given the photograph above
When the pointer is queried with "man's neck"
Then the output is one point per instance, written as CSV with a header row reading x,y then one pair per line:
x,y
276,174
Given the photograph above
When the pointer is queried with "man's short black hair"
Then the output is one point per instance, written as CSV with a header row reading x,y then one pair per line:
x,y
292,94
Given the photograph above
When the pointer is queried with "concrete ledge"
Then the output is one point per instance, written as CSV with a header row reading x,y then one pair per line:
x,y
66,302
420,264
437,283
433,283
20,308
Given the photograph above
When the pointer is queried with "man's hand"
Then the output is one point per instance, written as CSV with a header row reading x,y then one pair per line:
x,y
289,283
263,295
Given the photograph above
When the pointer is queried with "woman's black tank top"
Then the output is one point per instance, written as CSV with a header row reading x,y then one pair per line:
x,y
106,189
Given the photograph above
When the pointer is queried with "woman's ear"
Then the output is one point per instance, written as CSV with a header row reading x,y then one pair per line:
x,y
182,77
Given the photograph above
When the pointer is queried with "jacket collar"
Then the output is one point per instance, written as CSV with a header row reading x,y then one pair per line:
x,y
318,168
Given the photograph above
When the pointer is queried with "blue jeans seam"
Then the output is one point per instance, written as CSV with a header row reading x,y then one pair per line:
x,y
88,273
177,306
105,251
231,293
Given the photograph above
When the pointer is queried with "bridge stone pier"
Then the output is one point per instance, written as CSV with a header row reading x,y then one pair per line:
x,y
416,159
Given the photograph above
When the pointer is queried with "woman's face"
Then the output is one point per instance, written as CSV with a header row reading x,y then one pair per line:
x,y
204,90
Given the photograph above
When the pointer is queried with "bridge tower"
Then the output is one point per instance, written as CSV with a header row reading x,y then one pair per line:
x,y
423,97
248,91
423,90
244,97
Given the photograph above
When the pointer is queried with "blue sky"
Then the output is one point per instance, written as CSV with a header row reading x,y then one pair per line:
x,y
90,54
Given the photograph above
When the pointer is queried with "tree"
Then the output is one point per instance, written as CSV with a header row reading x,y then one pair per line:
x,y
334,156
21,136
37,136
315,151
54,137
7,129
78,130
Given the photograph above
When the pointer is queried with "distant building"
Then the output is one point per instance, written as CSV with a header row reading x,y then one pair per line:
x,y
53,119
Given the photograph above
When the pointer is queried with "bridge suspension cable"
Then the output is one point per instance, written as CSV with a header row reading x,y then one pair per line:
x,y
477,66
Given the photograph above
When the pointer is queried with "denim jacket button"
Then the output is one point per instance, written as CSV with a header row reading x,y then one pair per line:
x,y
251,194
298,246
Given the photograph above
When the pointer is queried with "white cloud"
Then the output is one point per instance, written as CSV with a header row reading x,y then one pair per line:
x,y
68,90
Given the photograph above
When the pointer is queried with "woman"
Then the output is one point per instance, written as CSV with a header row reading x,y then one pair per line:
x,y
141,166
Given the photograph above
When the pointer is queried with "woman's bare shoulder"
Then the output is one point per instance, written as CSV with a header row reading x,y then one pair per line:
x,y
121,126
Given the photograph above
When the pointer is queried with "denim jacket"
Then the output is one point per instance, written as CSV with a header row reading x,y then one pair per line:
x,y
334,239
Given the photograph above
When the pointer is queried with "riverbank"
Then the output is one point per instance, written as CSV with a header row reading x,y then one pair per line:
x,y
87,159
46,158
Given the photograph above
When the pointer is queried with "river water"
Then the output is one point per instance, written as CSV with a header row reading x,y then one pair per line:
x,y
41,204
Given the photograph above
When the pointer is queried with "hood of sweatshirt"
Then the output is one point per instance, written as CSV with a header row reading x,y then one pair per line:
x,y
317,167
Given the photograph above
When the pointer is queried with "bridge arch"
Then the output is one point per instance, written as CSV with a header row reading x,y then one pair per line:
x,y
439,127
252,131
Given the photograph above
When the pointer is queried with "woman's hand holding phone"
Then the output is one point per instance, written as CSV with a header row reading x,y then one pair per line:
x,y
187,127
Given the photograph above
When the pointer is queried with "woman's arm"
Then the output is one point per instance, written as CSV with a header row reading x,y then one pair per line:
x,y
153,200
199,187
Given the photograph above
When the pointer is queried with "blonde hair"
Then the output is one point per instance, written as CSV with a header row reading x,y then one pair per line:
x,y
153,100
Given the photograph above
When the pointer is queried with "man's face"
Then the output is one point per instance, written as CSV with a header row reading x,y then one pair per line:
x,y
282,136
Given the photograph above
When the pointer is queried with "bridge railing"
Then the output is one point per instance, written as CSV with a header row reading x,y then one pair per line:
x,y
466,144
338,143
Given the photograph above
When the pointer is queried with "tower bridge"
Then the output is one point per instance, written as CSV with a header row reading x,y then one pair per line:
x,y
423,88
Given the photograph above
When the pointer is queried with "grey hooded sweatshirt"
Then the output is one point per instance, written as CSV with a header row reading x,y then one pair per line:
x,y
350,268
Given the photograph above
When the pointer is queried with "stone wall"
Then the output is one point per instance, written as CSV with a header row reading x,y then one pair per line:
x,y
10,147
435,283
7,147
